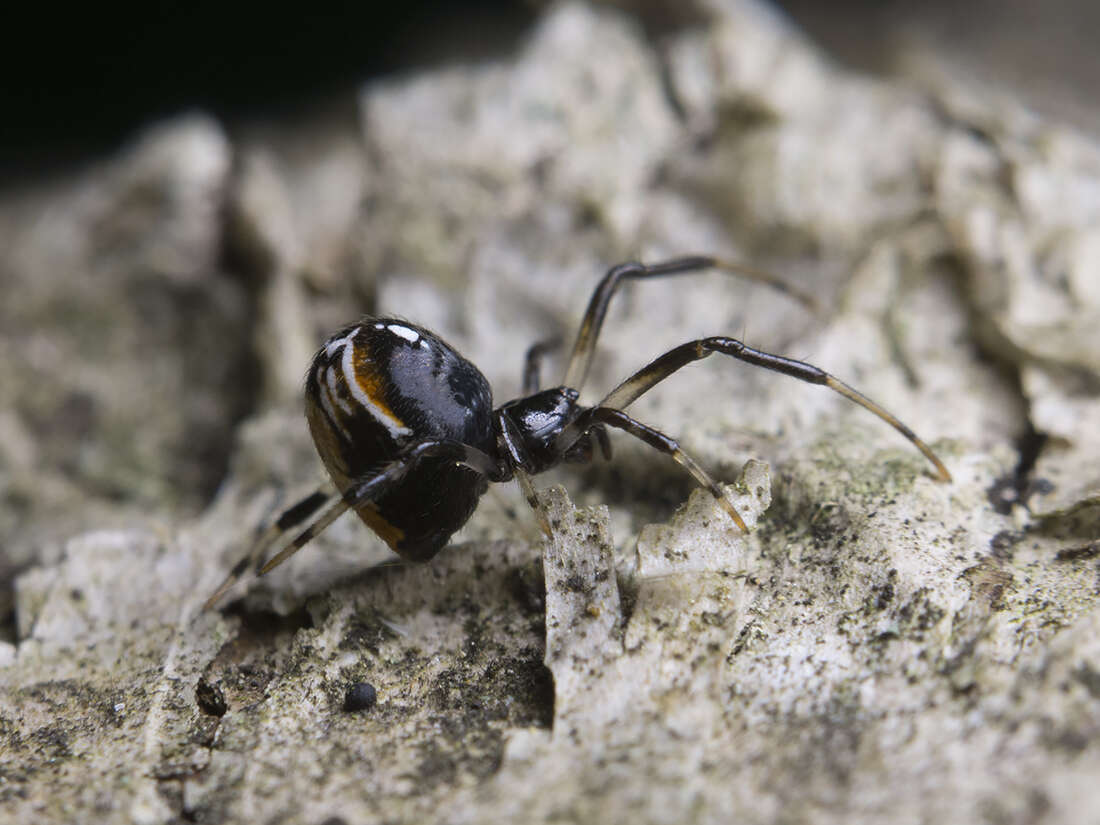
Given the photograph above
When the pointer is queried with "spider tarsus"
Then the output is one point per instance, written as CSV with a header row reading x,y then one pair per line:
x,y
733,514
855,395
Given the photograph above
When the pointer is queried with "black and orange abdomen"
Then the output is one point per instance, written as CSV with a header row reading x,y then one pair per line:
x,y
380,385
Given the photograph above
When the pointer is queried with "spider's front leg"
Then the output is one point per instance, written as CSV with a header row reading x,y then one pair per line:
x,y
584,348
661,368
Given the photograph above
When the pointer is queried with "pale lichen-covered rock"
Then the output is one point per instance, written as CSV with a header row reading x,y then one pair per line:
x,y
879,647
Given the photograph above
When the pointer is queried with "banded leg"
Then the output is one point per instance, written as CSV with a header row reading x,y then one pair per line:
x,y
532,363
595,416
664,366
291,517
372,487
580,361
356,495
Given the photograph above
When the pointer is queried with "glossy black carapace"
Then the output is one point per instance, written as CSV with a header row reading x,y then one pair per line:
x,y
406,427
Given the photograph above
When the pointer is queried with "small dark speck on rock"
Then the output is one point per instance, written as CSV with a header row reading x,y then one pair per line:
x,y
360,696
575,583
210,698
334,820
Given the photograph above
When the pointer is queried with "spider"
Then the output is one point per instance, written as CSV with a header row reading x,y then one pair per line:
x,y
406,429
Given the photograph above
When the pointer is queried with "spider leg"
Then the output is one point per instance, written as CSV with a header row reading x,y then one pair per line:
x,y
327,517
290,517
513,449
603,440
376,485
533,361
580,361
529,493
595,416
358,493
664,366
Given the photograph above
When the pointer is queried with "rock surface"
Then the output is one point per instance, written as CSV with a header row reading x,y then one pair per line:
x,y
879,647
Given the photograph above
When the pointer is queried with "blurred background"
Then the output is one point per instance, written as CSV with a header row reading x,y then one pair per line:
x,y
80,82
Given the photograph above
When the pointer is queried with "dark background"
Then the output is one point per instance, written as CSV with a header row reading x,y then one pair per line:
x,y
79,81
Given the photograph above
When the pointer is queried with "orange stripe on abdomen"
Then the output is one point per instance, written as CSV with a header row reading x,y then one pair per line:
x,y
366,386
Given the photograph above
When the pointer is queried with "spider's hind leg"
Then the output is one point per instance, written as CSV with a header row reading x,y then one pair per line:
x,y
289,518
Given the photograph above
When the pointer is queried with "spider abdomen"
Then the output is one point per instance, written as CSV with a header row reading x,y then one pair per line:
x,y
375,388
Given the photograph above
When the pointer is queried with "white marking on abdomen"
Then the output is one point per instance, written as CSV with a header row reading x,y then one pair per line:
x,y
387,421
337,396
410,335
327,397
332,346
